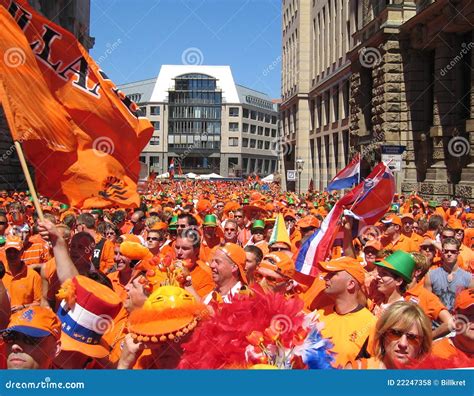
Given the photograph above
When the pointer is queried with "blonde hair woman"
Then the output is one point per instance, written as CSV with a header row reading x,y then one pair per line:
x,y
402,335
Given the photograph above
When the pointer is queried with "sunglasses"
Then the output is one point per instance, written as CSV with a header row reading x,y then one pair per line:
x,y
253,232
238,216
3,222
277,249
156,239
459,231
452,251
110,233
394,335
12,337
271,280
230,229
428,248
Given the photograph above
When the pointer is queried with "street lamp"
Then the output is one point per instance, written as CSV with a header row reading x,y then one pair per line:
x,y
299,168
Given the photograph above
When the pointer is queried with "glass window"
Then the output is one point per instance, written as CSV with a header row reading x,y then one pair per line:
x,y
267,131
245,164
156,125
245,113
260,144
233,111
260,130
274,120
233,126
253,128
245,127
267,145
245,142
154,141
171,139
233,142
267,118
143,110
260,116
154,110
274,132
253,143
253,115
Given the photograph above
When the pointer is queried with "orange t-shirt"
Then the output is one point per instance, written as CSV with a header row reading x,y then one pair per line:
x,y
36,251
428,301
51,276
23,288
402,243
107,255
445,349
118,287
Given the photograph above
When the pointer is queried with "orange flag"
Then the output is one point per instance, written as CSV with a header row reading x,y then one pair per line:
x,y
81,134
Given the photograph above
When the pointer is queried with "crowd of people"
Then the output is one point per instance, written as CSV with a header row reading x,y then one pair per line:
x,y
204,275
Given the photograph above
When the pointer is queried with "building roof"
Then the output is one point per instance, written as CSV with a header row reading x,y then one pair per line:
x,y
139,91
255,98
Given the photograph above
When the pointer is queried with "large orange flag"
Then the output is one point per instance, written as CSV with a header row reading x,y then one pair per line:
x,y
81,134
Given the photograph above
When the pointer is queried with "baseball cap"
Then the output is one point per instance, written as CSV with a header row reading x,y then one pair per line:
x,y
453,203
464,299
237,255
279,262
373,243
348,264
392,220
308,221
35,321
14,242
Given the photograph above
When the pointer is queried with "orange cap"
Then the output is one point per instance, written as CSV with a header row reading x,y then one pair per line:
x,y
407,216
279,262
373,243
203,205
14,242
289,213
348,264
308,221
159,226
464,299
237,255
130,238
35,321
393,219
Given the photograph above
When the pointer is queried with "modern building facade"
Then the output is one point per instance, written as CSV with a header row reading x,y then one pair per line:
x,y
206,123
359,74
73,15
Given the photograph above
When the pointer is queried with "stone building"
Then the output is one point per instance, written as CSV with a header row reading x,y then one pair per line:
x,y
73,15
359,74
412,85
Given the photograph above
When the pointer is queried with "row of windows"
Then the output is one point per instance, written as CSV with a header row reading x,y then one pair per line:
x,y
154,110
258,144
156,125
195,84
233,111
195,127
196,146
259,130
195,97
192,139
257,115
205,112
257,165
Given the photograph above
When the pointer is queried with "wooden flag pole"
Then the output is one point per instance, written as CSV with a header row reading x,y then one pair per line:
x,y
11,123
31,186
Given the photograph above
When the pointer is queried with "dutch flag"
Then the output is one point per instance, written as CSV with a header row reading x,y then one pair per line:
x,y
347,177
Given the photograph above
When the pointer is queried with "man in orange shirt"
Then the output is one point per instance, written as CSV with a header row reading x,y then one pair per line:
x,y
22,283
393,239
407,230
36,251
462,344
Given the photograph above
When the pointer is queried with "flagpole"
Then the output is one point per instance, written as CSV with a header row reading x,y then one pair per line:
x,y
19,150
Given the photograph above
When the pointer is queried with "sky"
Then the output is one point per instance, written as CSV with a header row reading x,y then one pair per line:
x,y
134,38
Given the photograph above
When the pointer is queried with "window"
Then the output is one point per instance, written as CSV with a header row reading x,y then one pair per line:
x,y
267,145
274,120
154,110
245,142
253,128
232,163
245,113
233,126
143,110
245,164
156,125
260,144
154,161
274,132
233,142
261,116
253,143
260,130
267,118
245,127
253,115
154,141
233,111
267,131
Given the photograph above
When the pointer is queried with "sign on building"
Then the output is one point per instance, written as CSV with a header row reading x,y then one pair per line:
x,y
291,175
392,155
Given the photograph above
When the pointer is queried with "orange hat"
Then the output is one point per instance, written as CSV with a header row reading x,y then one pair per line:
x,y
231,206
393,220
237,255
14,242
169,312
464,299
279,262
35,321
87,312
373,243
348,264
407,216
289,213
308,221
135,251
130,238
203,205
159,226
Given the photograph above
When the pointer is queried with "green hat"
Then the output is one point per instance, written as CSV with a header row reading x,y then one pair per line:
x,y
100,212
64,206
246,201
178,201
210,221
401,263
2,240
258,224
394,208
432,204
291,201
173,223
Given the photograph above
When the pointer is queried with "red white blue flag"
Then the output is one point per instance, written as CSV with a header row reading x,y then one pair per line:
x,y
347,177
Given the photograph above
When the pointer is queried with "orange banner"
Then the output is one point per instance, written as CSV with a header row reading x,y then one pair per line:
x,y
82,135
